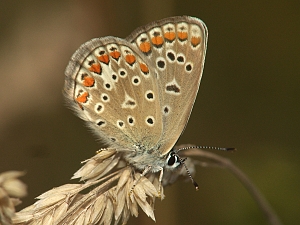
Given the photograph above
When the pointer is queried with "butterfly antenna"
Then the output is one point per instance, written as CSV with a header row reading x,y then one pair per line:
x,y
188,172
208,147
199,147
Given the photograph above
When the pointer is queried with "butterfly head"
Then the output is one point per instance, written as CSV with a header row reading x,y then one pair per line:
x,y
173,160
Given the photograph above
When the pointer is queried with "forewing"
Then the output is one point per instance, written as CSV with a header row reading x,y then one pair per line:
x,y
112,86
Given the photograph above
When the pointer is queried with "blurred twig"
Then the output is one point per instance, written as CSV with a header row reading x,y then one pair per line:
x,y
252,189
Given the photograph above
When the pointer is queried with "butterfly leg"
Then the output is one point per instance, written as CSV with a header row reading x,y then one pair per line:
x,y
160,190
146,170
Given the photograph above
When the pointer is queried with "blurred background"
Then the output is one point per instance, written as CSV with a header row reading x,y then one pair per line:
x,y
249,99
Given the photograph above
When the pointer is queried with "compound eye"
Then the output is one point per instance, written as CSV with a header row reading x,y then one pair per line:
x,y
172,160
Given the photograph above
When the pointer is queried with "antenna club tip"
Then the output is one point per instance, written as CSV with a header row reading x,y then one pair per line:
x,y
196,186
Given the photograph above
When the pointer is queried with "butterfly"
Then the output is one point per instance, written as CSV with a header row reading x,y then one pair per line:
x,y
137,93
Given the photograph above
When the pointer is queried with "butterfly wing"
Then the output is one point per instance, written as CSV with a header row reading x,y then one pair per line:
x,y
176,47
111,85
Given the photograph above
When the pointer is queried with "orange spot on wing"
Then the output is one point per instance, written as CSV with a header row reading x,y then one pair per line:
x,y
104,58
88,81
115,54
195,41
82,98
169,36
145,47
157,40
96,68
182,36
130,59
144,68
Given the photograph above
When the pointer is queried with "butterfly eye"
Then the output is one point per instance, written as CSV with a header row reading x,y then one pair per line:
x,y
173,160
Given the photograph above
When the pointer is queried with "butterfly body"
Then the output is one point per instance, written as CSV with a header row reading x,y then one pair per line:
x,y
137,93
141,158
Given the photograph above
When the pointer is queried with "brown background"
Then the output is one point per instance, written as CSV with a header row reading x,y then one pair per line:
x,y
249,99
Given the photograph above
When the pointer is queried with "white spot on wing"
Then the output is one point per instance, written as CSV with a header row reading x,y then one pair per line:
x,y
149,95
129,103
120,124
161,63
130,120
135,80
173,88
180,58
150,121
99,108
105,97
